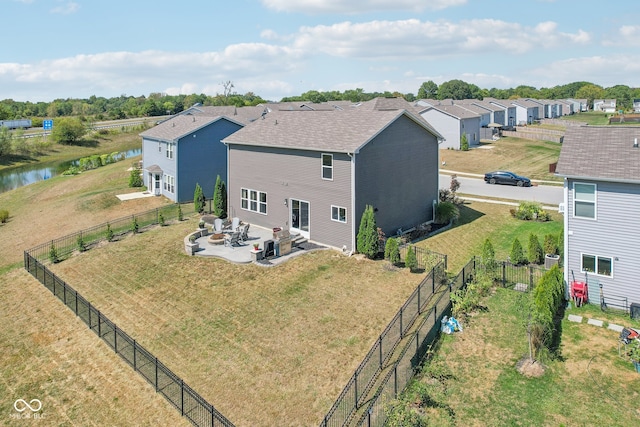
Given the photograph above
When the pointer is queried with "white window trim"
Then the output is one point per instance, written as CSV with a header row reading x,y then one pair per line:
x,y
170,148
595,201
338,220
595,273
249,200
170,184
322,165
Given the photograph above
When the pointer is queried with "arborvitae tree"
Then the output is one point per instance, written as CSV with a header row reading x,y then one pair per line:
x,y
561,243
134,225
392,251
410,260
109,233
199,199
367,239
160,218
488,255
53,254
535,250
220,199
80,243
464,142
135,180
517,254
180,215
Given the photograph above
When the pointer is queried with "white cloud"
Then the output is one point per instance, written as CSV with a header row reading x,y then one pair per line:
x,y
415,39
627,35
66,8
358,6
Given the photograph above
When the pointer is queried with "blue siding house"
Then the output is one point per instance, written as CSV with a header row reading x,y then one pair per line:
x,y
601,170
183,151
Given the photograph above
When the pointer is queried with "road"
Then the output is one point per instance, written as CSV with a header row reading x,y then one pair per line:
x,y
545,194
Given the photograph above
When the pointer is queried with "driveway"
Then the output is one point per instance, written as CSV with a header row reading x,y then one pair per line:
x,y
545,194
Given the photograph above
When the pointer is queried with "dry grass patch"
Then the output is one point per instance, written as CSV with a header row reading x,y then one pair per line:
x,y
63,205
522,156
263,345
50,355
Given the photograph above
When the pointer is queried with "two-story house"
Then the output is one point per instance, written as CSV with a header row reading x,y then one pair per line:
x,y
453,121
601,170
183,151
314,172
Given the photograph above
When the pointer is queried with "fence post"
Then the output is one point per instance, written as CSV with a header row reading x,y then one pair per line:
x,y
181,397
115,338
380,349
89,308
531,277
99,319
433,282
504,273
355,387
395,381
401,324
156,374
135,368
76,303
419,304
445,261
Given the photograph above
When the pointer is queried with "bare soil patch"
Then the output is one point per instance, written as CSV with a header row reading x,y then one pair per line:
x,y
530,367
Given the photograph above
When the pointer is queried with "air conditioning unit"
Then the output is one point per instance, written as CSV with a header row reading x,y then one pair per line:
x,y
561,208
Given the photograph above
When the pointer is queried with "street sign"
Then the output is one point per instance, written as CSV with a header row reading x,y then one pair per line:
x,y
47,124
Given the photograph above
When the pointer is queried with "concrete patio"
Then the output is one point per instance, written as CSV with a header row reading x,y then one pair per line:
x,y
242,253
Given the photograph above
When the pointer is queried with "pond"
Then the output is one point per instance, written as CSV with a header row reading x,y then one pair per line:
x,y
13,178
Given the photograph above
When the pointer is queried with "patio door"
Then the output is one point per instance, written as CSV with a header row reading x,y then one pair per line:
x,y
158,186
300,217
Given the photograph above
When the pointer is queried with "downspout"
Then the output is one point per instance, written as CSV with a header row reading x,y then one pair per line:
x,y
566,236
353,201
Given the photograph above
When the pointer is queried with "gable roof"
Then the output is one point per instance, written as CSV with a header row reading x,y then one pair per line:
x,y
601,153
179,126
241,115
455,111
336,131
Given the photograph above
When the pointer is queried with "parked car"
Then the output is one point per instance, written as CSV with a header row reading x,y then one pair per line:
x,y
506,177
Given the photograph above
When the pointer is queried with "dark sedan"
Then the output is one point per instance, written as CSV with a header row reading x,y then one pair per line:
x,y
505,177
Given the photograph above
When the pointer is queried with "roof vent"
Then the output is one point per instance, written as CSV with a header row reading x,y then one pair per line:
x,y
194,118
635,143
173,124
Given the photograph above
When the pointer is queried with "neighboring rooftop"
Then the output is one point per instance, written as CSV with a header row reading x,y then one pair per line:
x,y
603,153
178,126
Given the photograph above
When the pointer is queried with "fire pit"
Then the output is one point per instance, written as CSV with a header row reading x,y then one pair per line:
x,y
216,239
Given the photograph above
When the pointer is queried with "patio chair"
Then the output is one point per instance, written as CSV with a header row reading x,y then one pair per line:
x,y
244,232
217,226
232,239
235,223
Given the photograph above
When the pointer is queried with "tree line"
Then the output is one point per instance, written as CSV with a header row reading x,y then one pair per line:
x,y
158,104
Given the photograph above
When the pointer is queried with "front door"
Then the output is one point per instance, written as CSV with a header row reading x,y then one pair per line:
x,y
300,217
158,186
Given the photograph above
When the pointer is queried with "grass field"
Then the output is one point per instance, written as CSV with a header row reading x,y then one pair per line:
x,y
587,384
275,343
522,156
263,345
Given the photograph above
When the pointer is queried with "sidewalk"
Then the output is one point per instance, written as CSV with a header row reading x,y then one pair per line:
x,y
481,176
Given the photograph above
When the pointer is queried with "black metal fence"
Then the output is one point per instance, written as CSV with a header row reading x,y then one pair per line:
x,y
356,405
173,388
426,259
65,246
355,394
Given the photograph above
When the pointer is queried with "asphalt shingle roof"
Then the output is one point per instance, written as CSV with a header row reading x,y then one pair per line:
x,y
605,153
178,127
337,131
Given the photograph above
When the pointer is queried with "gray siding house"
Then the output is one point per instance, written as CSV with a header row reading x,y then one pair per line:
x,y
314,172
601,170
452,121
183,151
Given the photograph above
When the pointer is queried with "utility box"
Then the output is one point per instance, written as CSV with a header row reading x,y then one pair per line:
x,y
634,310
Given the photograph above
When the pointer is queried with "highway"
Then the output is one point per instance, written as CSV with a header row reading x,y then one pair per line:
x,y
476,187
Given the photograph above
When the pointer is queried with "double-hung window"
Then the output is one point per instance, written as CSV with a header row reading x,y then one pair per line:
x,y
584,200
253,200
170,147
169,183
338,214
327,166
597,264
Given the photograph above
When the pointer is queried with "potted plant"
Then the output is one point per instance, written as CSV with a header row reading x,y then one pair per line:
x,y
192,246
256,246
551,256
203,228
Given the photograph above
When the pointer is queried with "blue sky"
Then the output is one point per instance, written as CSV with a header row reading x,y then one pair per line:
x,y
276,48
